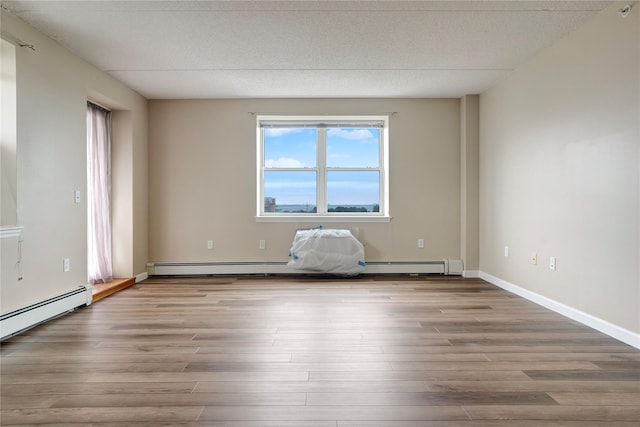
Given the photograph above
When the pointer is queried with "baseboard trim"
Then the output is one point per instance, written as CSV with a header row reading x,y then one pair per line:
x,y
614,331
18,321
471,274
142,276
267,268
221,268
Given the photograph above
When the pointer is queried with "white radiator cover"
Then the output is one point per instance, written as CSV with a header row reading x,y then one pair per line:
x,y
447,266
27,317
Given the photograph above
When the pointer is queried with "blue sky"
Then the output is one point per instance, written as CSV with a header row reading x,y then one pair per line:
x,y
296,148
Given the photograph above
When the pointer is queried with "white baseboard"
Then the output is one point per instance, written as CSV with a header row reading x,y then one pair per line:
x,y
240,268
471,274
25,318
435,267
142,276
614,331
230,268
89,293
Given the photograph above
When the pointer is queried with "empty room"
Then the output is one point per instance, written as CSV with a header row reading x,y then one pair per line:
x,y
320,213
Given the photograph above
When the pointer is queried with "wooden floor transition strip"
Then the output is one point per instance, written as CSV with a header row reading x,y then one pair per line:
x,y
103,290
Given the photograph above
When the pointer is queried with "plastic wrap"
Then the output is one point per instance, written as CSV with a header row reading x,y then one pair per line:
x,y
329,251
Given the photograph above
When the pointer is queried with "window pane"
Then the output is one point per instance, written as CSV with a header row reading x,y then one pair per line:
x,y
353,147
290,191
353,191
290,147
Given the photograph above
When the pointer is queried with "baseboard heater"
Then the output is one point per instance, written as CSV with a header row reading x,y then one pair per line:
x,y
20,320
446,266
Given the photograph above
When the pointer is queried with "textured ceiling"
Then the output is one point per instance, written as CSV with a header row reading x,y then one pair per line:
x,y
281,49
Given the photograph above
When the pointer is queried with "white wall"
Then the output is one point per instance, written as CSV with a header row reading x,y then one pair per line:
x,y
203,180
52,89
8,134
559,172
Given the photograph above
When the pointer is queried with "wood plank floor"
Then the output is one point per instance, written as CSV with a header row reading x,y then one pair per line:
x,y
293,351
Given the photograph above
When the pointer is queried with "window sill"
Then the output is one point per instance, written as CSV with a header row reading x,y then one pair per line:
x,y
322,218
8,231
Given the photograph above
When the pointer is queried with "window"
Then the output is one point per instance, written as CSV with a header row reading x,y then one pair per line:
x,y
330,167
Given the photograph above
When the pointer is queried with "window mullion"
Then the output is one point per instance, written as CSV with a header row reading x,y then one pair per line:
x,y
322,170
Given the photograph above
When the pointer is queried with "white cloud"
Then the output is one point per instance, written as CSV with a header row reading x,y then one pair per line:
x,y
355,134
281,131
284,162
339,156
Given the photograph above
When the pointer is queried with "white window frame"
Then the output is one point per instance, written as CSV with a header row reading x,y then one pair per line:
x,y
321,170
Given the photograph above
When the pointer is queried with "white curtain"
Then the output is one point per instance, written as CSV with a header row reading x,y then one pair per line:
x,y
98,194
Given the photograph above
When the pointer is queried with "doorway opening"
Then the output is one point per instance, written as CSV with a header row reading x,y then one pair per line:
x,y
99,257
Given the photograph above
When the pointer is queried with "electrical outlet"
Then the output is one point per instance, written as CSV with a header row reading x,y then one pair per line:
x,y
262,244
66,265
506,251
552,263
209,244
534,258
420,243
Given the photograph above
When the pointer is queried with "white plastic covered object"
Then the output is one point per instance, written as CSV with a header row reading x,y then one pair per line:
x,y
328,251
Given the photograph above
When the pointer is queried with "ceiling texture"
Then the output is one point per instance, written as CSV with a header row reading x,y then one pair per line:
x,y
306,49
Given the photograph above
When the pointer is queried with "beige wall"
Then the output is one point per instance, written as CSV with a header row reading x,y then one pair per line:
x,y
52,90
202,160
469,182
559,172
